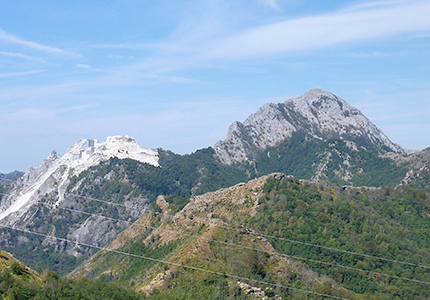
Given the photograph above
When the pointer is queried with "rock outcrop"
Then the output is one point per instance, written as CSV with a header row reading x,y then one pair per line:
x,y
320,114
55,172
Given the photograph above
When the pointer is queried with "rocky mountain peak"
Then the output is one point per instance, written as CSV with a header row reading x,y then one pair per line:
x,y
315,93
55,172
119,139
53,155
319,113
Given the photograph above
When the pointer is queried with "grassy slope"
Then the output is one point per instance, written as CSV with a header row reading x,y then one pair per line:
x,y
305,157
195,237
378,222
199,172
116,181
19,282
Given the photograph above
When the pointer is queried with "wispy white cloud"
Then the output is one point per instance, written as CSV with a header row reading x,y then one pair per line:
x,y
15,74
31,114
10,38
271,3
126,46
123,77
174,79
21,56
47,91
373,54
83,66
86,67
374,4
369,22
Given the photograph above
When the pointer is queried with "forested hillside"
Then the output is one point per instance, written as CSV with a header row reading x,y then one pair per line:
x,y
335,160
290,238
181,175
10,177
119,189
19,282
370,232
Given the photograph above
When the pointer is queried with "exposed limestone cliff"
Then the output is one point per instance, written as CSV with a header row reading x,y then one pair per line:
x,y
320,114
54,173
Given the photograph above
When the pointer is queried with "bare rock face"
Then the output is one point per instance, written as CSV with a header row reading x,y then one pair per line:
x,y
418,163
39,200
55,172
320,114
94,231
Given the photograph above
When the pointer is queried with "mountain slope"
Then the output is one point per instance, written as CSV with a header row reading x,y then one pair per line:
x,y
196,256
320,114
122,189
317,136
8,178
54,173
19,282
418,164
335,160
39,201
278,235
14,266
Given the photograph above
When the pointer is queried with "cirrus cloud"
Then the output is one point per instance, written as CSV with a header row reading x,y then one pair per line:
x,y
13,39
361,23
270,3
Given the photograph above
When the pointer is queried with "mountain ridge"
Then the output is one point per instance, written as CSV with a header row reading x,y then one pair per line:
x,y
321,114
54,173
6,179
295,233
193,229
93,176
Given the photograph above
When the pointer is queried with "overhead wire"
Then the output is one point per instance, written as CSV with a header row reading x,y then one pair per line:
x,y
250,231
251,248
175,264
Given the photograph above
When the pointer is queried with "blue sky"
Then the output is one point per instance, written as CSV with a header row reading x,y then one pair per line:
x,y
176,74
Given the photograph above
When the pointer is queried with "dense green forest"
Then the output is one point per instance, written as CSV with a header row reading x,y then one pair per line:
x,y
181,175
301,156
114,181
393,224
355,243
17,284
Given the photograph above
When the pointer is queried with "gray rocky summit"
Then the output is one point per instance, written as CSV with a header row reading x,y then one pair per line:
x,y
320,114
53,176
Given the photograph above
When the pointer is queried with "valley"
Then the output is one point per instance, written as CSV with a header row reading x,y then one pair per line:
x,y
306,199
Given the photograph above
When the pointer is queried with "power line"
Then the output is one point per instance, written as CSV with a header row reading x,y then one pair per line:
x,y
251,248
335,249
174,264
98,200
250,231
